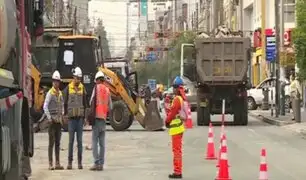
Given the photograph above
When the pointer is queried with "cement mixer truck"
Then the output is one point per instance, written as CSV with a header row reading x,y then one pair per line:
x,y
16,137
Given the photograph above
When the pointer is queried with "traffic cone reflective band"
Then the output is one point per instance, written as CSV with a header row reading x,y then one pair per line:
x,y
210,152
223,173
263,169
188,122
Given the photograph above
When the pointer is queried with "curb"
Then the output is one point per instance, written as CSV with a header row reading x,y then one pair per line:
x,y
271,120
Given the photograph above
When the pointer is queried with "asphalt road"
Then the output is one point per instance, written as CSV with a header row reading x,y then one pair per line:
x,y
139,155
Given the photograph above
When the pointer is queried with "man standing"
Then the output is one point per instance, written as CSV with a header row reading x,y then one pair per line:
x,y
174,122
75,105
295,94
103,105
54,110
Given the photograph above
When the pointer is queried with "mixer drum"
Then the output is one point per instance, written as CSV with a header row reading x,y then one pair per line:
x,y
8,25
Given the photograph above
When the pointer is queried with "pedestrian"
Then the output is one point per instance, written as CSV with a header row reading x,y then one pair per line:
x,y
174,121
101,100
295,93
75,106
54,110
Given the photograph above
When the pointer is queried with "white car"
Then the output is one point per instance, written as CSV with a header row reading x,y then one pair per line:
x,y
255,95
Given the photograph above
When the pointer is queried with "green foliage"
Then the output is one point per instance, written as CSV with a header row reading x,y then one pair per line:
x,y
100,31
163,72
299,37
186,37
166,70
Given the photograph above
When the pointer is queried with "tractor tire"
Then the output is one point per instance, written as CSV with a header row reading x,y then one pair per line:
x,y
120,117
241,112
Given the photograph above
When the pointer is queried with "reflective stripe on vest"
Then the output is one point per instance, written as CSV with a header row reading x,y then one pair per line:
x,y
177,125
102,100
55,105
75,100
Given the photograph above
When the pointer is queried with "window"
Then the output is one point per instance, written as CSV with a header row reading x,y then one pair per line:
x,y
267,83
289,11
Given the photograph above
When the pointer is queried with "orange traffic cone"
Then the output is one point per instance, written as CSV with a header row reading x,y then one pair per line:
x,y
223,173
263,169
210,152
188,122
222,133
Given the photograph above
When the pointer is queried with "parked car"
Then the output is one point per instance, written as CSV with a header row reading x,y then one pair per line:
x,y
255,94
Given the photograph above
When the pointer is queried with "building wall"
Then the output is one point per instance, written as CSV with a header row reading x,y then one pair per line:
x,y
82,12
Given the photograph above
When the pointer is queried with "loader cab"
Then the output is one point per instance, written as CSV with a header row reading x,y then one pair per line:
x,y
78,51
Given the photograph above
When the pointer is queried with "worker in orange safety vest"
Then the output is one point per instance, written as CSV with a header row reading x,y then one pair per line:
x,y
174,122
103,104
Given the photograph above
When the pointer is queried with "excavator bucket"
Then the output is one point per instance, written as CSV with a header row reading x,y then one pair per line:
x,y
152,119
141,112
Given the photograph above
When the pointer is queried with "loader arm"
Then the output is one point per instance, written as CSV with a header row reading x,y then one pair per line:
x,y
119,89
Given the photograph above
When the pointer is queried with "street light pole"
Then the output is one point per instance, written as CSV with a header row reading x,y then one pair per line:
x,y
182,57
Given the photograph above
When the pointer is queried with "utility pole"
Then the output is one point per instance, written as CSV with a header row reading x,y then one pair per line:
x,y
277,48
70,12
197,18
241,15
75,23
282,69
61,12
214,14
263,34
282,30
127,25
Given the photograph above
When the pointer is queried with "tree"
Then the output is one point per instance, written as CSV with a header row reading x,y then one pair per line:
x,y
299,36
100,31
166,70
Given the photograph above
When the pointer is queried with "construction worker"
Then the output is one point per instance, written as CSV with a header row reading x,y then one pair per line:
x,y
176,126
103,104
54,110
75,105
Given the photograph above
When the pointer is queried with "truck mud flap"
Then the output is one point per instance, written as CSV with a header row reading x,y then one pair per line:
x,y
152,119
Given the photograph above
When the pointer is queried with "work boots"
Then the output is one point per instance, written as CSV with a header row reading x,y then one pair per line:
x,y
51,167
69,166
96,168
175,176
58,166
80,166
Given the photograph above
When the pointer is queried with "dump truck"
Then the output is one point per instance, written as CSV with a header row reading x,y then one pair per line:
x,y
220,71
16,135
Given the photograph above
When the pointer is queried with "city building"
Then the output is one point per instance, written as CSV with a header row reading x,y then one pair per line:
x,y
81,7
252,11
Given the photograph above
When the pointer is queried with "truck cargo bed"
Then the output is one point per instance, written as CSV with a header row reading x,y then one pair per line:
x,y
222,60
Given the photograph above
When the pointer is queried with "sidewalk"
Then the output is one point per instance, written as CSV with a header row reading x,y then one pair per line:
x,y
283,121
265,115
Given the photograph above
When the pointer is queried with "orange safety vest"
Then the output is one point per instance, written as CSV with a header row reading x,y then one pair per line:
x,y
102,100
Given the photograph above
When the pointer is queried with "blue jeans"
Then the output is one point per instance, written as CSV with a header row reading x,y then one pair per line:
x,y
75,126
98,137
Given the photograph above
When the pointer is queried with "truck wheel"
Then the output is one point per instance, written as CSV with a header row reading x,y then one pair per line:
x,y
241,112
203,116
120,116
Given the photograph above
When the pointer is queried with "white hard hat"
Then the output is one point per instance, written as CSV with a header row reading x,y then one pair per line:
x,y
56,75
77,72
99,74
